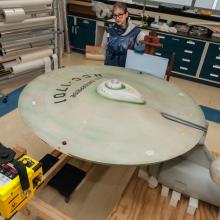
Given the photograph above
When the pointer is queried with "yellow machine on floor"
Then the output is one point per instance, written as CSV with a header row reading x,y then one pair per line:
x,y
19,180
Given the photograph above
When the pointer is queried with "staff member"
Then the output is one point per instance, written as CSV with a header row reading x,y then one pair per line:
x,y
119,36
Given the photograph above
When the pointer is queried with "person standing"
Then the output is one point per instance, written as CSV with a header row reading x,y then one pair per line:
x,y
119,36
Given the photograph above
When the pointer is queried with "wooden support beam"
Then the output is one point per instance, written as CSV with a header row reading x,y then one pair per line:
x,y
63,159
43,210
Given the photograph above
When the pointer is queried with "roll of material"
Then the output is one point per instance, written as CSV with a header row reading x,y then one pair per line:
x,y
95,56
32,65
26,41
24,3
8,65
14,15
27,23
11,53
35,55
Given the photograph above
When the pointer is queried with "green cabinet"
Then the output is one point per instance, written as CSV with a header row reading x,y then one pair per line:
x,y
211,66
188,52
81,32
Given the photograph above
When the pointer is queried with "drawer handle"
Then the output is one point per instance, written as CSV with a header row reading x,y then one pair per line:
x,y
213,75
188,51
218,58
85,22
216,66
74,21
186,60
176,39
190,42
183,68
161,37
158,54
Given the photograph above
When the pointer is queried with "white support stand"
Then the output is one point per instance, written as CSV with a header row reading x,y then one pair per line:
x,y
192,206
175,197
142,174
152,182
47,64
164,191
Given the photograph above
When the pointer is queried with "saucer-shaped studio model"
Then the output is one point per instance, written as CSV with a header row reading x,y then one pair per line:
x,y
116,90
128,126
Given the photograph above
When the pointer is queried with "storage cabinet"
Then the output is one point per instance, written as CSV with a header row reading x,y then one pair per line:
x,y
81,32
188,52
211,66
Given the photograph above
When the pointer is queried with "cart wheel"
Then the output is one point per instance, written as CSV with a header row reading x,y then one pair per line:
x,y
5,99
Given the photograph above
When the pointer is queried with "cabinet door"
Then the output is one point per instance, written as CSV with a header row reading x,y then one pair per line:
x,y
84,33
211,66
83,36
81,32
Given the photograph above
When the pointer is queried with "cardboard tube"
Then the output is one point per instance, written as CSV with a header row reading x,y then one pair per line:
x,y
35,55
14,15
24,3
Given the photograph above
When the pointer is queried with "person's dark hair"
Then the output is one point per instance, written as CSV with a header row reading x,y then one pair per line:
x,y
121,5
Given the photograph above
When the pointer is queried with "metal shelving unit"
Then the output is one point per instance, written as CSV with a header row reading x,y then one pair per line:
x,y
28,40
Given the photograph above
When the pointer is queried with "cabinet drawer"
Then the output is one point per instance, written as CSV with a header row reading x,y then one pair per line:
x,y
175,41
212,60
210,71
196,46
186,68
163,52
214,50
211,75
163,38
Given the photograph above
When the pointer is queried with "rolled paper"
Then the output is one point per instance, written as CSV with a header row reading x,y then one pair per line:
x,y
27,23
35,55
24,3
8,65
26,41
14,15
32,65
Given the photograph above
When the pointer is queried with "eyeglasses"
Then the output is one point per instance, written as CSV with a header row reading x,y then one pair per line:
x,y
118,16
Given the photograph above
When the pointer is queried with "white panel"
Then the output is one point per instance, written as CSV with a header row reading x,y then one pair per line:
x,y
154,65
204,3
179,2
218,5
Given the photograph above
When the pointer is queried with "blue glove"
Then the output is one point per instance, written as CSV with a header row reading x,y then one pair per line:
x,y
139,48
